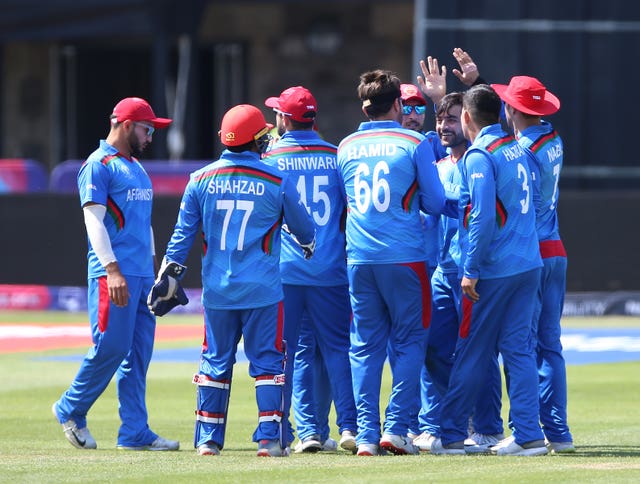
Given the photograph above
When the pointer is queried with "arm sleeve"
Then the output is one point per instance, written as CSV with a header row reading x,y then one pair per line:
x,y
536,180
187,226
482,191
295,213
153,242
432,197
97,233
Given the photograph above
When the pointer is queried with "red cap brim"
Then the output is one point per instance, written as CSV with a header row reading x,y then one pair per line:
x,y
272,102
160,123
549,105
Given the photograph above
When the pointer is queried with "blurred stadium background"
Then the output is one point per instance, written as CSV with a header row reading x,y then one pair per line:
x,y
64,64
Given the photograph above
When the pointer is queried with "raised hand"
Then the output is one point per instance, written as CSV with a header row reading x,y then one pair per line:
x,y
434,82
468,72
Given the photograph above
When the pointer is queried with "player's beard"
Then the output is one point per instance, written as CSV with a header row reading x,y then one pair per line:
x,y
454,139
280,126
413,125
135,145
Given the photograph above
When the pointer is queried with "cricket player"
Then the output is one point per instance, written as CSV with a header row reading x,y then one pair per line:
x,y
237,204
316,287
116,197
388,176
500,272
526,101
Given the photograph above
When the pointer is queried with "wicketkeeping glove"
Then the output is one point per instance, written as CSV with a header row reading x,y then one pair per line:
x,y
167,292
307,249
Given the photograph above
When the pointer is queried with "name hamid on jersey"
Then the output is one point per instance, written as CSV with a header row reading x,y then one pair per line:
x,y
307,163
243,187
372,150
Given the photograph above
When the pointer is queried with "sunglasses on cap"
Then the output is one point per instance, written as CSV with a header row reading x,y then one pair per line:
x,y
406,110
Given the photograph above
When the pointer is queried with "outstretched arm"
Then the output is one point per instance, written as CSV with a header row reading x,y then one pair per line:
x,y
434,82
468,73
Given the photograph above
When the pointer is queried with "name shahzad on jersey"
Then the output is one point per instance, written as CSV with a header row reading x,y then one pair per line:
x,y
139,194
312,162
372,150
235,185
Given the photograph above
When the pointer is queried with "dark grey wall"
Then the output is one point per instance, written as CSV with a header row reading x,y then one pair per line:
x,y
583,58
43,240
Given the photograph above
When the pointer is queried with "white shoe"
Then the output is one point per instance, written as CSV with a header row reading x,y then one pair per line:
x,y
509,446
348,441
424,441
398,445
367,449
329,445
160,444
210,448
480,443
455,448
79,438
560,447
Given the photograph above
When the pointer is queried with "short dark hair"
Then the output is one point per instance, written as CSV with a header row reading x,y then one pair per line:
x,y
299,126
447,102
483,105
378,90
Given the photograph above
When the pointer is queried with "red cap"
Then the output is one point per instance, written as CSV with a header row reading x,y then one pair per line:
x,y
296,102
410,92
242,124
137,109
528,94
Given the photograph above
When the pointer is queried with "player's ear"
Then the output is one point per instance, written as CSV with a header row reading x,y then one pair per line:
x,y
127,125
464,115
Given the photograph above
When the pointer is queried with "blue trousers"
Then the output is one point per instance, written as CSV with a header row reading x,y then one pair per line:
x,y
328,312
552,371
123,345
261,329
443,334
311,398
499,322
391,307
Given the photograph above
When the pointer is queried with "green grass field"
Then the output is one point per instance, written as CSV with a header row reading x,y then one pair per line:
x,y
603,411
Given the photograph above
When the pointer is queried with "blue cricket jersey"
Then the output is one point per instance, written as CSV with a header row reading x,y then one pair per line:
x,y
388,175
311,164
238,204
546,145
122,185
449,256
497,214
